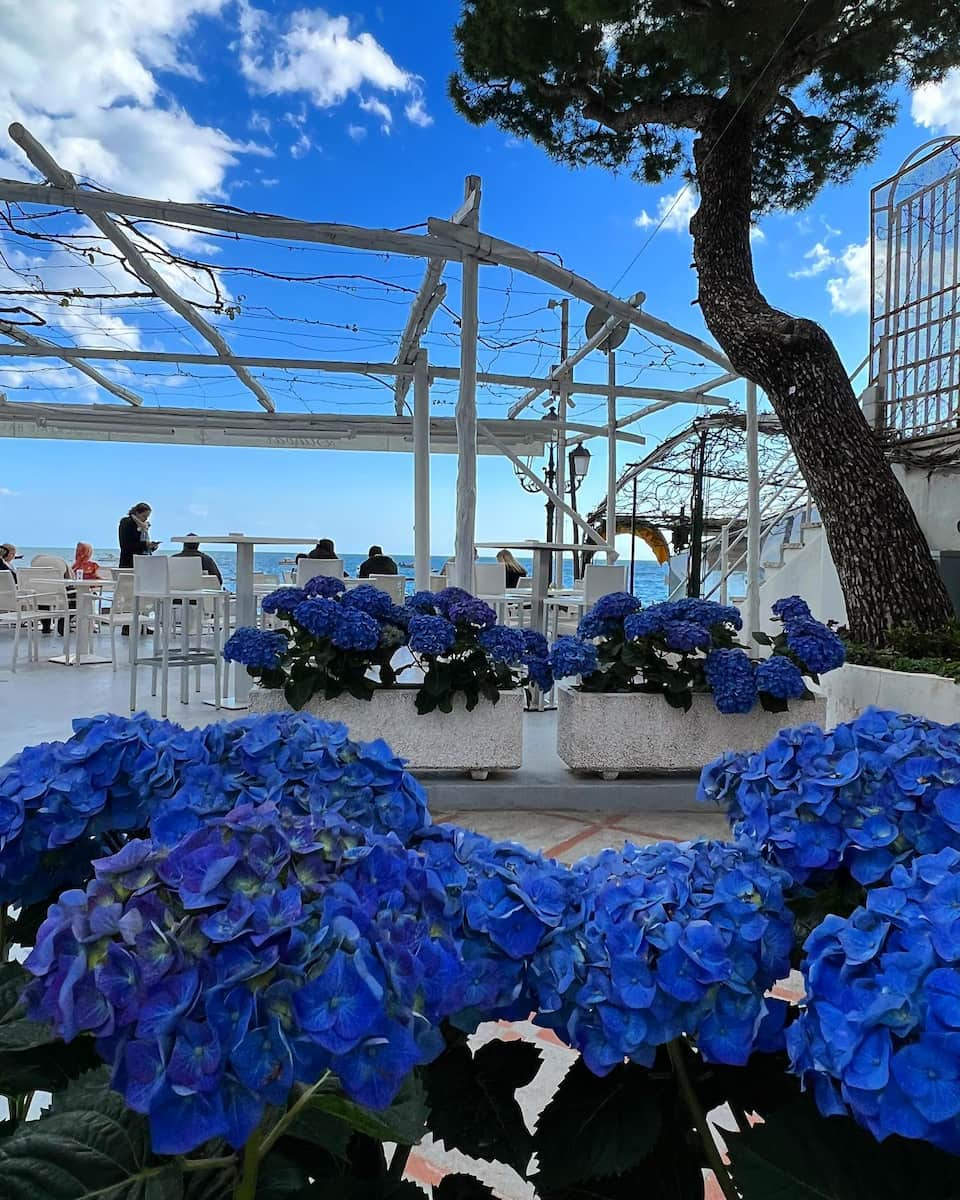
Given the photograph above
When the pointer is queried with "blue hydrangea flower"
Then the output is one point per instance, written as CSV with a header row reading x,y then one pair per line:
x,y
369,600
258,648
817,647
283,600
865,796
879,1032
318,616
534,643
470,611
539,672
644,623
791,608
686,637
779,677
670,940
325,586
355,630
431,635
451,595
732,680
572,656
422,602
504,645
704,612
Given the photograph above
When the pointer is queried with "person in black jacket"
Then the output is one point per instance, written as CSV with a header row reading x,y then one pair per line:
x,y
192,550
134,534
324,549
8,552
377,563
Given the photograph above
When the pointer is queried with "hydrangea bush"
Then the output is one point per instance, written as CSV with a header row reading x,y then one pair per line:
x,y
682,647
278,959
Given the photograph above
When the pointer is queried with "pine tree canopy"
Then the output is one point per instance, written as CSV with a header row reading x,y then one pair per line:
x,y
628,83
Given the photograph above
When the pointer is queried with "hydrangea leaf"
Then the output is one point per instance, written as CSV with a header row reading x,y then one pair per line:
x,y
596,1127
87,1144
32,1058
795,1154
462,1187
473,1107
404,1122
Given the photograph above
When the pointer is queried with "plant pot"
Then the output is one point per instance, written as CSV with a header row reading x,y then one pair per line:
x,y
490,738
853,689
612,732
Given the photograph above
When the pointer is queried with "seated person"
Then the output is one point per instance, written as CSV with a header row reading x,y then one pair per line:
x,y
377,563
8,552
323,549
513,570
83,562
208,564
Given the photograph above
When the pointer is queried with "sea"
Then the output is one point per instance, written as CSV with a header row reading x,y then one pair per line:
x,y
649,583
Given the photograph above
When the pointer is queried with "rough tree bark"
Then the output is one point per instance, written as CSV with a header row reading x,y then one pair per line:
x,y
882,558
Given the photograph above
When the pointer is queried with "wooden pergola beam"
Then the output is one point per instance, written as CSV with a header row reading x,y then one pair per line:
x,y
45,163
35,346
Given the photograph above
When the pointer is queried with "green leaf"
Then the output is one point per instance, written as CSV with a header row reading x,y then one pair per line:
x,y
282,1177
772,704
362,1189
298,691
594,1127
86,1145
473,1107
799,1155
404,1122
462,1187
764,639
320,1128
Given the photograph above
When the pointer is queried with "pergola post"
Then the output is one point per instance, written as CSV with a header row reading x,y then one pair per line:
x,y
753,511
421,472
563,393
611,456
466,413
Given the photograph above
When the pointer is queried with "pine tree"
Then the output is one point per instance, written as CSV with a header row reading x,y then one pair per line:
x,y
760,102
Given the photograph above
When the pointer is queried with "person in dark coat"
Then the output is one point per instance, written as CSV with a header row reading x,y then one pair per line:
x,y
208,564
377,563
134,534
323,549
8,552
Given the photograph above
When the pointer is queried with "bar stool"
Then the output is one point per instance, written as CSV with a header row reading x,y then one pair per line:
x,y
171,589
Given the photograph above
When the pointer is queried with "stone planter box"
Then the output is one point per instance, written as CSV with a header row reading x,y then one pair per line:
x,y
854,688
488,739
630,731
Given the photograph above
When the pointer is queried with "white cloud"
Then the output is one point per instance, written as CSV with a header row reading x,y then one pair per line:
x,y
5,491
377,108
259,122
357,132
674,210
820,260
936,106
317,54
416,112
301,146
198,510
83,78
850,292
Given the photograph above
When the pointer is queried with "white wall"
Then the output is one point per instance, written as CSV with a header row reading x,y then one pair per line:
x,y
809,573
936,501
854,688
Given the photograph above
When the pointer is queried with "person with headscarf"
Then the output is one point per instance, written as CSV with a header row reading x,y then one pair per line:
x,y
134,534
83,562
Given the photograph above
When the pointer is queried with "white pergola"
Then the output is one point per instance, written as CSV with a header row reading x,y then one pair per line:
x,y
457,240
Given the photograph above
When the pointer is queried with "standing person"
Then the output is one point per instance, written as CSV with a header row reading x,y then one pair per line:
x,y
134,534
8,552
514,570
377,563
192,549
83,562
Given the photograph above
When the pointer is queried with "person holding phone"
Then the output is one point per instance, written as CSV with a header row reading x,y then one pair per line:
x,y
134,534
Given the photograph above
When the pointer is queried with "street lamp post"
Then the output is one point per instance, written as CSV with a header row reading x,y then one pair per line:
x,y
579,464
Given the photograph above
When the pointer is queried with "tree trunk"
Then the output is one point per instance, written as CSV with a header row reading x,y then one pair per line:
x,y
882,558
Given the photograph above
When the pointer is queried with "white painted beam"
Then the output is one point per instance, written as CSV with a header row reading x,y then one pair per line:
x,y
466,411
421,473
39,344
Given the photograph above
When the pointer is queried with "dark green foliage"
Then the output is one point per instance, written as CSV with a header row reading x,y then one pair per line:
x,y
798,1155
473,1107
907,648
621,83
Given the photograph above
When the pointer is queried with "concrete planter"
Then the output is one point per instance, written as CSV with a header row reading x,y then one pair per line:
x,y
488,739
854,688
608,733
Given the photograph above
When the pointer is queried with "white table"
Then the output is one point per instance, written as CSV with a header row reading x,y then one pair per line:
x,y
246,597
83,656
542,553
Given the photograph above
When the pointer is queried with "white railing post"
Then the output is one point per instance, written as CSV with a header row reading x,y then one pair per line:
x,y
753,512
421,472
611,530
466,414
725,564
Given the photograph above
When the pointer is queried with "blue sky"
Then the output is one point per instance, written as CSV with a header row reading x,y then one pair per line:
x,y
340,115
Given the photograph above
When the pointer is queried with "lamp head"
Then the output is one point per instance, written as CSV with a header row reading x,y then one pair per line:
x,y
580,460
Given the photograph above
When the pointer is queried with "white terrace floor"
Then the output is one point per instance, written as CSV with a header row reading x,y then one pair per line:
x,y
543,805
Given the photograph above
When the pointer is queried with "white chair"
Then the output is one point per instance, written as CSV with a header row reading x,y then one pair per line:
x,y
438,583
393,585
489,580
48,588
564,612
599,580
18,609
167,586
120,612
310,568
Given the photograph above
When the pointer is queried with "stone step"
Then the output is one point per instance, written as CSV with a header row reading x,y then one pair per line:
x,y
772,566
791,546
